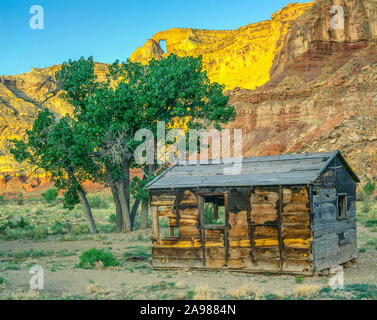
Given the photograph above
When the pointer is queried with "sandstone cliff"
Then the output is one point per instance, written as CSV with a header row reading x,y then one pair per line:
x,y
236,58
322,94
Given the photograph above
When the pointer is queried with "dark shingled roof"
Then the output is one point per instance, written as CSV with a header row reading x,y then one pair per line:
x,y
292,169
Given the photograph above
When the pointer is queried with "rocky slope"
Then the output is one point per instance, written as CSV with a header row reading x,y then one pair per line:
x,y
323,89
21,97
319,84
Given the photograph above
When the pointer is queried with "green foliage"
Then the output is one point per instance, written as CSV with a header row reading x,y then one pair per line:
x,y
112,218
356,291
137,188
190,295
61,228
369,187
80,229
2,200
20,199
37,233
271,296
209,217
299,279
2,280
138,252
33,233
14,223
97,141
362,250
97,203
50,195
90,257
19,255
71,198
371,223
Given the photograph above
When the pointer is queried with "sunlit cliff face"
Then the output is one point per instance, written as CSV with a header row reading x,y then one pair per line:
x,y
236,58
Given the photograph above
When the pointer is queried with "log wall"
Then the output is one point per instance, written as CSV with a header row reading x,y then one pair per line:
x,y
267,229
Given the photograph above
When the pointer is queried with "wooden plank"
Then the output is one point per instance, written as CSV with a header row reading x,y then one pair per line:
x,y
155,226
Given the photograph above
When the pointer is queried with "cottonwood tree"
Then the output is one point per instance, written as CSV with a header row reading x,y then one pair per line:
x,y
132,97
56,146
168,90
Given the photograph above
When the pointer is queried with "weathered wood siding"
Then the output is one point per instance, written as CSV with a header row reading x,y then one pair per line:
x,y
267,229
296,231
334,240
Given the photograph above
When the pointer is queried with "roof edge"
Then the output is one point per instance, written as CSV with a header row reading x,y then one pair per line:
x,y
335,154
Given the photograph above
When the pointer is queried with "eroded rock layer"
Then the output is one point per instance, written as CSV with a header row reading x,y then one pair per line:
x,y
236,58
323,90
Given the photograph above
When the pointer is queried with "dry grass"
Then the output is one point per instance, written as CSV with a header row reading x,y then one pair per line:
x,y
26,295
95,288
98,265
204,292
246,291
305,290
180,285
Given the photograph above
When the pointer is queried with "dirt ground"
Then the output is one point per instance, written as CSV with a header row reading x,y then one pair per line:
x,y
137,279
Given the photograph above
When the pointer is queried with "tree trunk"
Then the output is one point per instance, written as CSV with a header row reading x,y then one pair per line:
x,y
88,211
118,206
125,207
83,199
133,213
124,195
144,214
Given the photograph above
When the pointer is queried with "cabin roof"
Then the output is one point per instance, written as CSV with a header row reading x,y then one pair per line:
x,y
292,169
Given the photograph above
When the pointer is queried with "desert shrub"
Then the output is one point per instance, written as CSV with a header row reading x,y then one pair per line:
x,y
39,212
369,187
366,206
14,223
18,254
371,242
20,200
112,218
371,223
97,203
107,228
61,228
50,195
299,279
80,229
13,234
89,258
37,233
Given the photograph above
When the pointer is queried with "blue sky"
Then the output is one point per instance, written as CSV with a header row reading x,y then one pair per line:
x,y
109,30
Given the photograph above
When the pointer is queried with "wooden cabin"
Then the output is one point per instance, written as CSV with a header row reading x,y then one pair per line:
x,y
281,214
